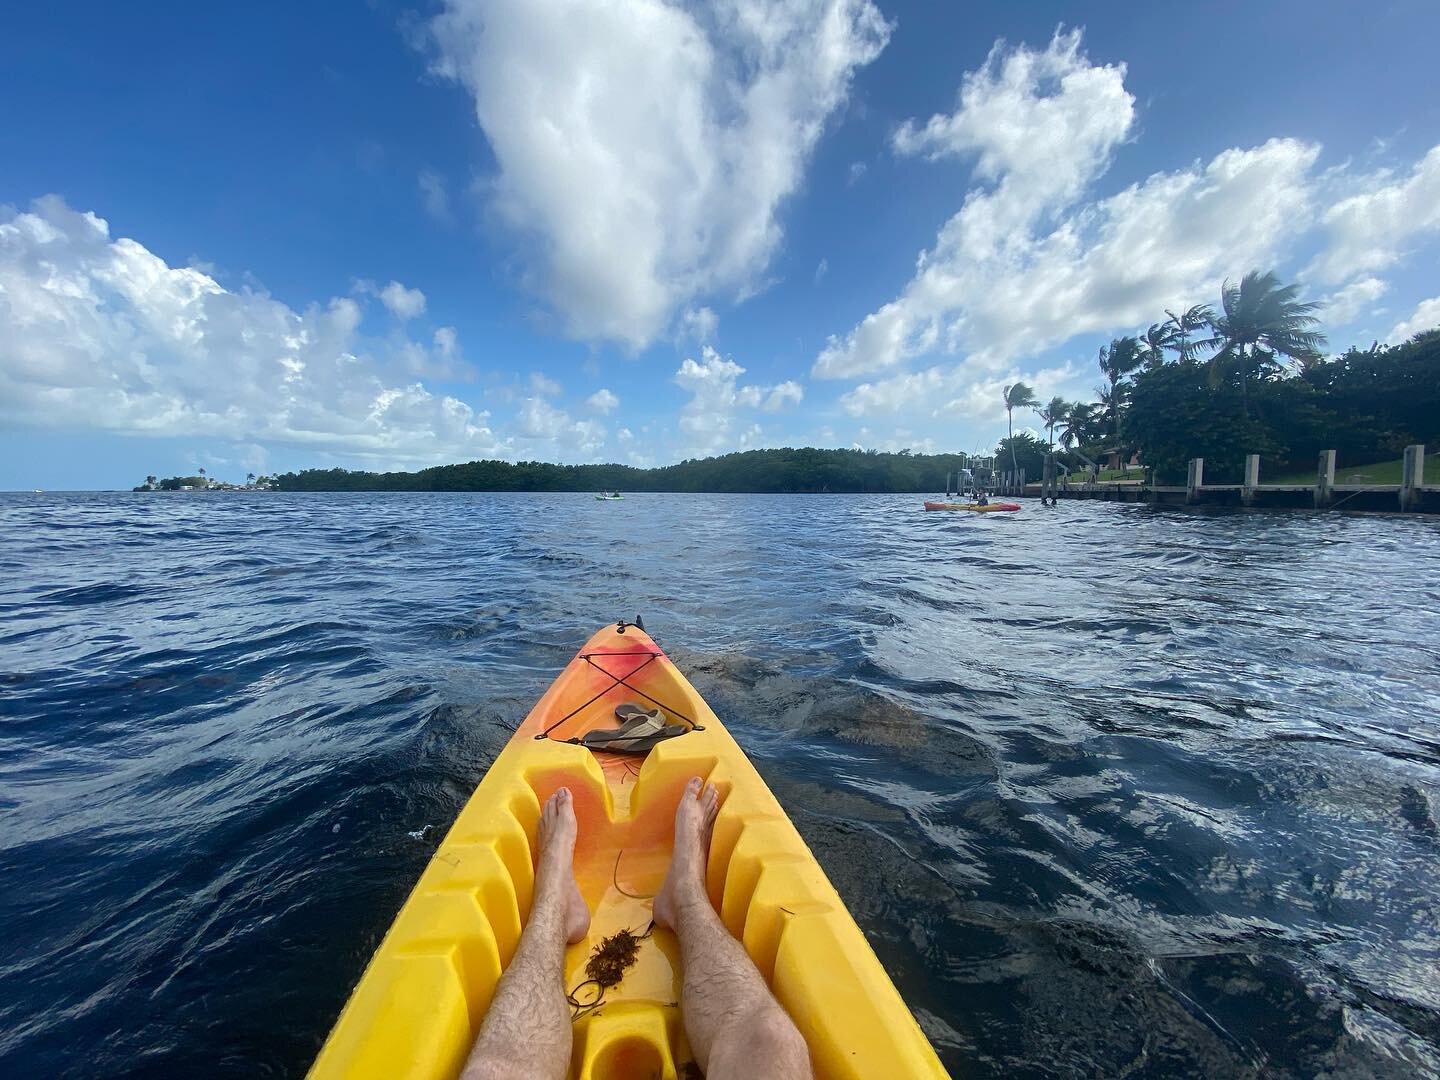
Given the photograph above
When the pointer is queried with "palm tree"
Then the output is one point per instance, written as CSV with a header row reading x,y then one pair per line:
x,y
1112,398
250,479
1052,414
1077,423
151,481
1154,342
1262,320
1196,317
1018,396
1117,360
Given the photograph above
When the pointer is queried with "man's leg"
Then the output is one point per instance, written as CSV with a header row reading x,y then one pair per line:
x,y
526,1033
735,1025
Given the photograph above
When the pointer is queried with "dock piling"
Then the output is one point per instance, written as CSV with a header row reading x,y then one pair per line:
x,y
1195,480
1412,476
1252,479
1325,479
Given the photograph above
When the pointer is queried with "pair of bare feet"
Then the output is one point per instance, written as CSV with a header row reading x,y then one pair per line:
x,y
735,1027
684,882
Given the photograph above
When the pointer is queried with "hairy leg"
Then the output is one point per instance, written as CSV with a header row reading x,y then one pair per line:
x,y
526,1032
735,1025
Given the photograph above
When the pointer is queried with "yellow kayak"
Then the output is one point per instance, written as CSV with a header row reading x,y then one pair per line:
x,y
419,1004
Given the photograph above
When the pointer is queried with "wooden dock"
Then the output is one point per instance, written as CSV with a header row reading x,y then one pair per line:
x,y
1411,495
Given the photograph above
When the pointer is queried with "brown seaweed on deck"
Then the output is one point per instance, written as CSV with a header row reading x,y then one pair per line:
x,y
607,965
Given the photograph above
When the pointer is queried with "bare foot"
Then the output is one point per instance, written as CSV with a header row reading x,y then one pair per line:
x,y
685,880
555,868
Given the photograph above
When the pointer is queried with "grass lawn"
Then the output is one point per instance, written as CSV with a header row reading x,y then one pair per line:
x,y
1381,472
1110,476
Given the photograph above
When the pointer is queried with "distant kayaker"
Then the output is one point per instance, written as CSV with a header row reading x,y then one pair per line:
x,y
981,500
735,1026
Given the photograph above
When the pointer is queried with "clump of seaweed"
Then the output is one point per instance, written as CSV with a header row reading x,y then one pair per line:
x,y
607,965
613,957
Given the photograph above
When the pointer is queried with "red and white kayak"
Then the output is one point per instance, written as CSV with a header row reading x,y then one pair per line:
x,y
974,508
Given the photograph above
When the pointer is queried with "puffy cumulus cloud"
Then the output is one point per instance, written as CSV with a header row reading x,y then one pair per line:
x,y
101,334
403,303
540,420
1368,230
1025,263
1426,317
602,401
709,418
1345,304
646,144
1041,125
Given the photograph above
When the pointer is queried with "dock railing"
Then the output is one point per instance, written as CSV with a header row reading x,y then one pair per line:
x,y
1411,495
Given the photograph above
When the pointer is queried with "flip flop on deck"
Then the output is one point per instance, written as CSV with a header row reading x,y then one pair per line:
x,y
640,729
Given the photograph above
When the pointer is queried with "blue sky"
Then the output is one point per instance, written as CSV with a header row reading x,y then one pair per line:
x,y
267,237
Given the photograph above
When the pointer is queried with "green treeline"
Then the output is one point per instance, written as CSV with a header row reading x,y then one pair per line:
x,y
1248,378
778,471
1367,405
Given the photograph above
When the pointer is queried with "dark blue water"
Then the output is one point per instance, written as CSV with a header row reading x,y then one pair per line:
x,y
1112,791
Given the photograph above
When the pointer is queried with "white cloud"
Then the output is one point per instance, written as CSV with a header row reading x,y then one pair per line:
x,y
434,196
447,343
1343,305
949,392
709,417
403,303
699,325
855,172
1367,231
101,334
603,401
1426,317
1042,125
544,385
1024,264
648,146
821,269
785,393
538,419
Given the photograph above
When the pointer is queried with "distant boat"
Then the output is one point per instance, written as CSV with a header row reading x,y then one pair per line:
x,y
39,491
609,496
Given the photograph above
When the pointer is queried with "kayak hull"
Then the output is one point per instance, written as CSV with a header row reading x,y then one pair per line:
x,y
975,508
419,1004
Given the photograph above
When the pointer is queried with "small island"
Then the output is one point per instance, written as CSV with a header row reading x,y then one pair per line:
x,y
204,482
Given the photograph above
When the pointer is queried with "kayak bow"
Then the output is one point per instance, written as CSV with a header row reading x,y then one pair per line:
x,y
419,1004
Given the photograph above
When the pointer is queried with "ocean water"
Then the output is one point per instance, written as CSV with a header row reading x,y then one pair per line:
x,y
1111,790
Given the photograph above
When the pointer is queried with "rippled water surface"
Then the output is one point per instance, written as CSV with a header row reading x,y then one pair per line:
x,y
1112,791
